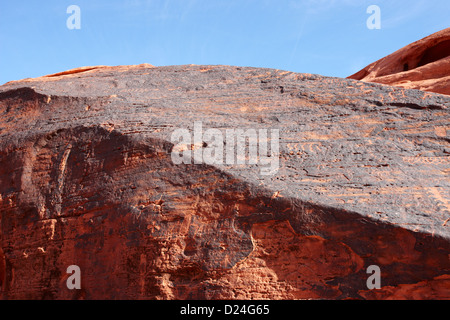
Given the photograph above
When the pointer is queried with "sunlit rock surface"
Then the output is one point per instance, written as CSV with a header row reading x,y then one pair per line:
x,y
87,179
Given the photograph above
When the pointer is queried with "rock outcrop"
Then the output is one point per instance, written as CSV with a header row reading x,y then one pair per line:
x,y
87,178
423,65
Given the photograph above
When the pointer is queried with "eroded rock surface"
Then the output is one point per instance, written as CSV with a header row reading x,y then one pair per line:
x,y
423,65
87,179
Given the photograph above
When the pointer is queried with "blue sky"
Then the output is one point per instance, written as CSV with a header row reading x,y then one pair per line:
x,y
327,37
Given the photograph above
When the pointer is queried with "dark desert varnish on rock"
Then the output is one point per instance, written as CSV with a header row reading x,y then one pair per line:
x,y
87,179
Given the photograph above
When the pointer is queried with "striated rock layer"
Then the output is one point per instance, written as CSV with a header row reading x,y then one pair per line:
x,y
423,65
87,179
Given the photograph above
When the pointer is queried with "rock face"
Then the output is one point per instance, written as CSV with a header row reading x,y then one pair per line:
x,y
88,178
423,65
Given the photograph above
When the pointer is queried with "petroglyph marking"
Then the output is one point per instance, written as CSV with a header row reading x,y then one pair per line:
x,y
437,196
427,160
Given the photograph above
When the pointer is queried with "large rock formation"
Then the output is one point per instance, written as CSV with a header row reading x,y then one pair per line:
x,y
87,178
423,65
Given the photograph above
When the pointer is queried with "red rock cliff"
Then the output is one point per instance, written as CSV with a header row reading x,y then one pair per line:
x,y
87,179
423,65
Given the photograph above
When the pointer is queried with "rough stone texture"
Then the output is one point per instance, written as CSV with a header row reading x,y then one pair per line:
x,y
423,65
86,178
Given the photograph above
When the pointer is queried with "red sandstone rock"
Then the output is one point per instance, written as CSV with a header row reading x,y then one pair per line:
x,y
87,179
423,65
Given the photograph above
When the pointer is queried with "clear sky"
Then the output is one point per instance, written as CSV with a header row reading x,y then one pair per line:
x,y
327,37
